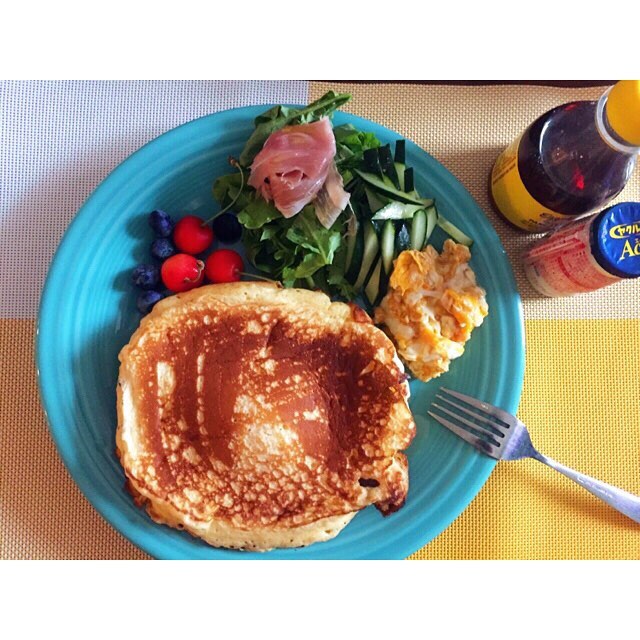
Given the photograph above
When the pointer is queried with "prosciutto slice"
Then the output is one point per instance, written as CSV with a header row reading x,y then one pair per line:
x,y
331,199
293,165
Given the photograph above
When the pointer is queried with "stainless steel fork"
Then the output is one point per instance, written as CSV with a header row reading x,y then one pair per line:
x,y
502,436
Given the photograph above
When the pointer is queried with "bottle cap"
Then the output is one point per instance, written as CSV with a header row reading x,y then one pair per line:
x,y
623,110
615,239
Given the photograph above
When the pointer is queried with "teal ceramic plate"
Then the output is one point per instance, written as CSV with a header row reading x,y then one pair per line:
x,y
88,313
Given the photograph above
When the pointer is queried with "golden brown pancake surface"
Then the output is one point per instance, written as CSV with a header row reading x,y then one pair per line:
x,y
257,410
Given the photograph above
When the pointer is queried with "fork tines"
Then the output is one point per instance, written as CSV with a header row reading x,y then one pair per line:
x,y
488,431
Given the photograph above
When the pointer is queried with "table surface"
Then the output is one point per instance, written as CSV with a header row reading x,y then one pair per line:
x,y
58,140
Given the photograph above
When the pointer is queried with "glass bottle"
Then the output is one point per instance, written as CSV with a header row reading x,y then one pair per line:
x,y
570,162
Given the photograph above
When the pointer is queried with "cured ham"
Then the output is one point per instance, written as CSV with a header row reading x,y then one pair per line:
x,y
331,199
293,166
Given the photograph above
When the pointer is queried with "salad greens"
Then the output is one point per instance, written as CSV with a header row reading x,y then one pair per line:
x,y
355,255
281,116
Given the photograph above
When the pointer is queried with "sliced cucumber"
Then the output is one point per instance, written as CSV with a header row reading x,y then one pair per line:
x,y
400,169
375,201
390,191
353,269
399,155
418,229
372,290
371,161
408,179
432,220
351,246
370,253
383,287
377,284
387,245
451,230
410,188
397,211
388,168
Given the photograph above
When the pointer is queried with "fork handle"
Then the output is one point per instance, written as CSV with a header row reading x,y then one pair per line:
x,y
619,499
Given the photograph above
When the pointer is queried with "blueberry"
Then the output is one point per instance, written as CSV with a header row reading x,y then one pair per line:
x,y
161,223
227,228
162,248
147,300
145,276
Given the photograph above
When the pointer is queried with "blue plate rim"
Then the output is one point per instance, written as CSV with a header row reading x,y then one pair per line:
x,y
112,515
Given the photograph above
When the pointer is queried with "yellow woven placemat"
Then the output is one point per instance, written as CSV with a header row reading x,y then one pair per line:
x,y
581,381
43,515
580,396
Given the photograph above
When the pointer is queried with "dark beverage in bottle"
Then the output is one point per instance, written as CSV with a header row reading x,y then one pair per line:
x,y
570,162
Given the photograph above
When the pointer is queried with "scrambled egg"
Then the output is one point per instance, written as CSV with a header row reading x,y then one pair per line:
x,y
431,307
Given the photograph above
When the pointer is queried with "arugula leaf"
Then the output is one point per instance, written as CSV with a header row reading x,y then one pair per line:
x,y
280,116
307,232
309,265
225,189
224,184
274,113
285,255
268,232
348,135
299,251
291,249
335,276
324,106
338,283
255,250
351,145
257,213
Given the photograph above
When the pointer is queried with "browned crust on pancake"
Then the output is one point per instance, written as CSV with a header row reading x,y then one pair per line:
x,y
359,314
298,400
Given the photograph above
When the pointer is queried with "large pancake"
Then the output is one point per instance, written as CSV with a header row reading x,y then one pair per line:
x,y
257,417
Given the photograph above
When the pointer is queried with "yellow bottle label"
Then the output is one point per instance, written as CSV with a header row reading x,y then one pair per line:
x,y
514,201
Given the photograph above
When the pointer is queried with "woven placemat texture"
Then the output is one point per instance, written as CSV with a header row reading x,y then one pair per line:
x,y
465,128
60,139
43,515
581,382
581,387
580,402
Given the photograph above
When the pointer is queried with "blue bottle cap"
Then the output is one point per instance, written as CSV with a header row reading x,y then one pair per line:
x,y
615,239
